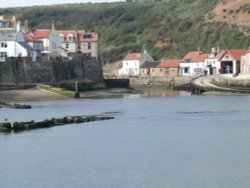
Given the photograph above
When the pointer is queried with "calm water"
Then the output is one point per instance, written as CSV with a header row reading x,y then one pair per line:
x,y
156,142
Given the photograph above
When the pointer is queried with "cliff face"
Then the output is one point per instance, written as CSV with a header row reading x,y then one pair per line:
x,y
12,71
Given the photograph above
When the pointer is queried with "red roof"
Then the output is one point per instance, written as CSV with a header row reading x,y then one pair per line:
x,y
191,56
169,64
87,37
235,54
42,33
132,57
29,38
65,34
201,58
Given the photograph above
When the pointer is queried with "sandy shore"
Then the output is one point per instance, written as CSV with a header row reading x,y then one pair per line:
x,y
28,95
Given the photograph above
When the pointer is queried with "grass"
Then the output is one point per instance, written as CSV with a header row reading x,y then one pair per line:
x,y
60,91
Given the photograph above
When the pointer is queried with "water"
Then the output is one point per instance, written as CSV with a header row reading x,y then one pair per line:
x,y
156,142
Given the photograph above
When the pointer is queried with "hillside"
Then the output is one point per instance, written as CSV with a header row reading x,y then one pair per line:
x,y
166,28
234,13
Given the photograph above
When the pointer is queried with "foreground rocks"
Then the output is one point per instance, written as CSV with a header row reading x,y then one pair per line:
x,y
30,125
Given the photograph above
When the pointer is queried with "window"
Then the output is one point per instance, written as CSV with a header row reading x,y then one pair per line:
x,y
70,38
62,38
161,70
3,45
4,24
186,70
87,36
67,46
3,54
89,46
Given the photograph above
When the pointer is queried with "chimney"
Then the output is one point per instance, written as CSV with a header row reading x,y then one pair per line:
x,y
199,50
53,25
26,26
218,49
18,26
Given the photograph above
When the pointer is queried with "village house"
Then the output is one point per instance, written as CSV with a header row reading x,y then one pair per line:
x,y
34,43
51,40
229,61
132,62
149,68
78,41
169,68
193,64
8,24
245,63
212,63
12,41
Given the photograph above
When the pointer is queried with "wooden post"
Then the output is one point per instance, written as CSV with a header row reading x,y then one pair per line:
x,y
77,94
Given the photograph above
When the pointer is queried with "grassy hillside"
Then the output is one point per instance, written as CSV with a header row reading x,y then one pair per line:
x,y
166,28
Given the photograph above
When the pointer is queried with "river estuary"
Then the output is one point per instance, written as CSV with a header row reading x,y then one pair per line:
x,y
153,142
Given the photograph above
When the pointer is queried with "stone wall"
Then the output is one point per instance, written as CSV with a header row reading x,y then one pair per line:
x,y
171,81
15,71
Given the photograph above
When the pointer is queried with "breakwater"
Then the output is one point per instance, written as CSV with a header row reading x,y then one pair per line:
x,y
30,125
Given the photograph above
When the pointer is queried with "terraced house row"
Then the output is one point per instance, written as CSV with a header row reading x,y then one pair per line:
x,y
196,63
16,40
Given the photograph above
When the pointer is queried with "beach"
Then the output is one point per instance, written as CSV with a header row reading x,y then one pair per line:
x,y
33,94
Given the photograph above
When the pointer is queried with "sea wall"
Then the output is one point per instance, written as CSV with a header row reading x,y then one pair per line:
x,y
167,81
16,71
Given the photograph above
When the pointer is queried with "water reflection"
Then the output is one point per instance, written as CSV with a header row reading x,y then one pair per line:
x,y
138,93
162,92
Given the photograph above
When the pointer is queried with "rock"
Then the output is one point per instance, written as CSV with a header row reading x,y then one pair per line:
x,y
29,125
19,126
5,127
21,106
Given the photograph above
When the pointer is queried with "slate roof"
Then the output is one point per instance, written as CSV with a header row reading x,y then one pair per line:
x,y
7,35
150,64
26,46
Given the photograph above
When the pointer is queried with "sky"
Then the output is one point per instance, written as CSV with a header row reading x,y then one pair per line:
x,y
18,3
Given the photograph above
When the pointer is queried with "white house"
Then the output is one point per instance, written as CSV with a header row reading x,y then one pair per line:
x,y
51,40
212,62
132,62
12,44
193,64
